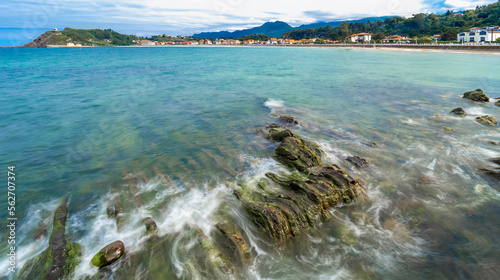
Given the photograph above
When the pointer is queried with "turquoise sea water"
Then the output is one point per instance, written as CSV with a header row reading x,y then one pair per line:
x,y
172,129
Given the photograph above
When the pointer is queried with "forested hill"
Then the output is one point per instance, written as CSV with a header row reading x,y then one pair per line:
x,y
448,25
86,37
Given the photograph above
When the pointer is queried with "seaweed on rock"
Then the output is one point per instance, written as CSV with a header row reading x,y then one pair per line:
x,y
299,200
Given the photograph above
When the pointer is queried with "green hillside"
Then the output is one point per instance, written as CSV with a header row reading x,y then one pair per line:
x,y
448,25
86,37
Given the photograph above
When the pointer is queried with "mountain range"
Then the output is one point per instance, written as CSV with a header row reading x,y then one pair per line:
x,y
278,28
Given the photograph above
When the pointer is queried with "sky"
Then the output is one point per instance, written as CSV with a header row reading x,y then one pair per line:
x,y
22,20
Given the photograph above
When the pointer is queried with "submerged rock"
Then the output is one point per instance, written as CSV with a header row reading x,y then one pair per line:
x,y
448,129
487,120
288,119
495,160
150,225
492,173
476,95
59,260
109,254
358,161
299,200
497,103
459,112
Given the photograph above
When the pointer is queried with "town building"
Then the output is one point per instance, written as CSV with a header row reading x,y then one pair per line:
x,y
147,43
396,39
359,38
479,35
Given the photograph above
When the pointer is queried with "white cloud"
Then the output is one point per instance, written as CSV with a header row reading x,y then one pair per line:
x,y
190,16
463,4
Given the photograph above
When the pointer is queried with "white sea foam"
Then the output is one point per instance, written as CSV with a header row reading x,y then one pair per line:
x,y
274,104
40,213
475,111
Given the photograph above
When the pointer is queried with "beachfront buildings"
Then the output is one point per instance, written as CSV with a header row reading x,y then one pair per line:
x,y
396,39
478,35
359,38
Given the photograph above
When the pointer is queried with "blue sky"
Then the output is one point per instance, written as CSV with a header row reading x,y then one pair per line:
x,y
22,20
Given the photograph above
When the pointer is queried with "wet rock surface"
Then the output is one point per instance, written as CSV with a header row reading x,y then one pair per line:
x,y
109,254
459,112
357,161
288,119
286,205
487,120
59,260
150,225
476,95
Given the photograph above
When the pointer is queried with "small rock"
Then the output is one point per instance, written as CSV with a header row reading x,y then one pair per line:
x,y
370,144
497,103
109,254
487,120
476,95
459,112
358,161
496,143
288,119
150,225
449,129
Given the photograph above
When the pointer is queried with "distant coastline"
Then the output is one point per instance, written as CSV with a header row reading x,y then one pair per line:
x,y
423,47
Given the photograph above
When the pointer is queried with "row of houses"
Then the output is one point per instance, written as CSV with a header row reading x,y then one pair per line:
x,y
479,35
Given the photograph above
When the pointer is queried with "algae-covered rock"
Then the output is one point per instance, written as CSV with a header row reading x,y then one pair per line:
x,y
448,129
278,133
476,95
109,254
497,103
296,152
59,260
459,112
487,120
231,243
288,204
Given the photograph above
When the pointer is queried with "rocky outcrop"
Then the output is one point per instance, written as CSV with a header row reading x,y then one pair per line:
x,y
487,120
59,260
476,95
459,112
285,205
109,254
497,103
40,41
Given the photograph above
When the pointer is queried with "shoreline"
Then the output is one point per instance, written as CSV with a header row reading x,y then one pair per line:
x,y
479,49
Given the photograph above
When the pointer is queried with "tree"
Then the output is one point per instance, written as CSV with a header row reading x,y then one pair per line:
x,y
497,40
450,35
378,36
